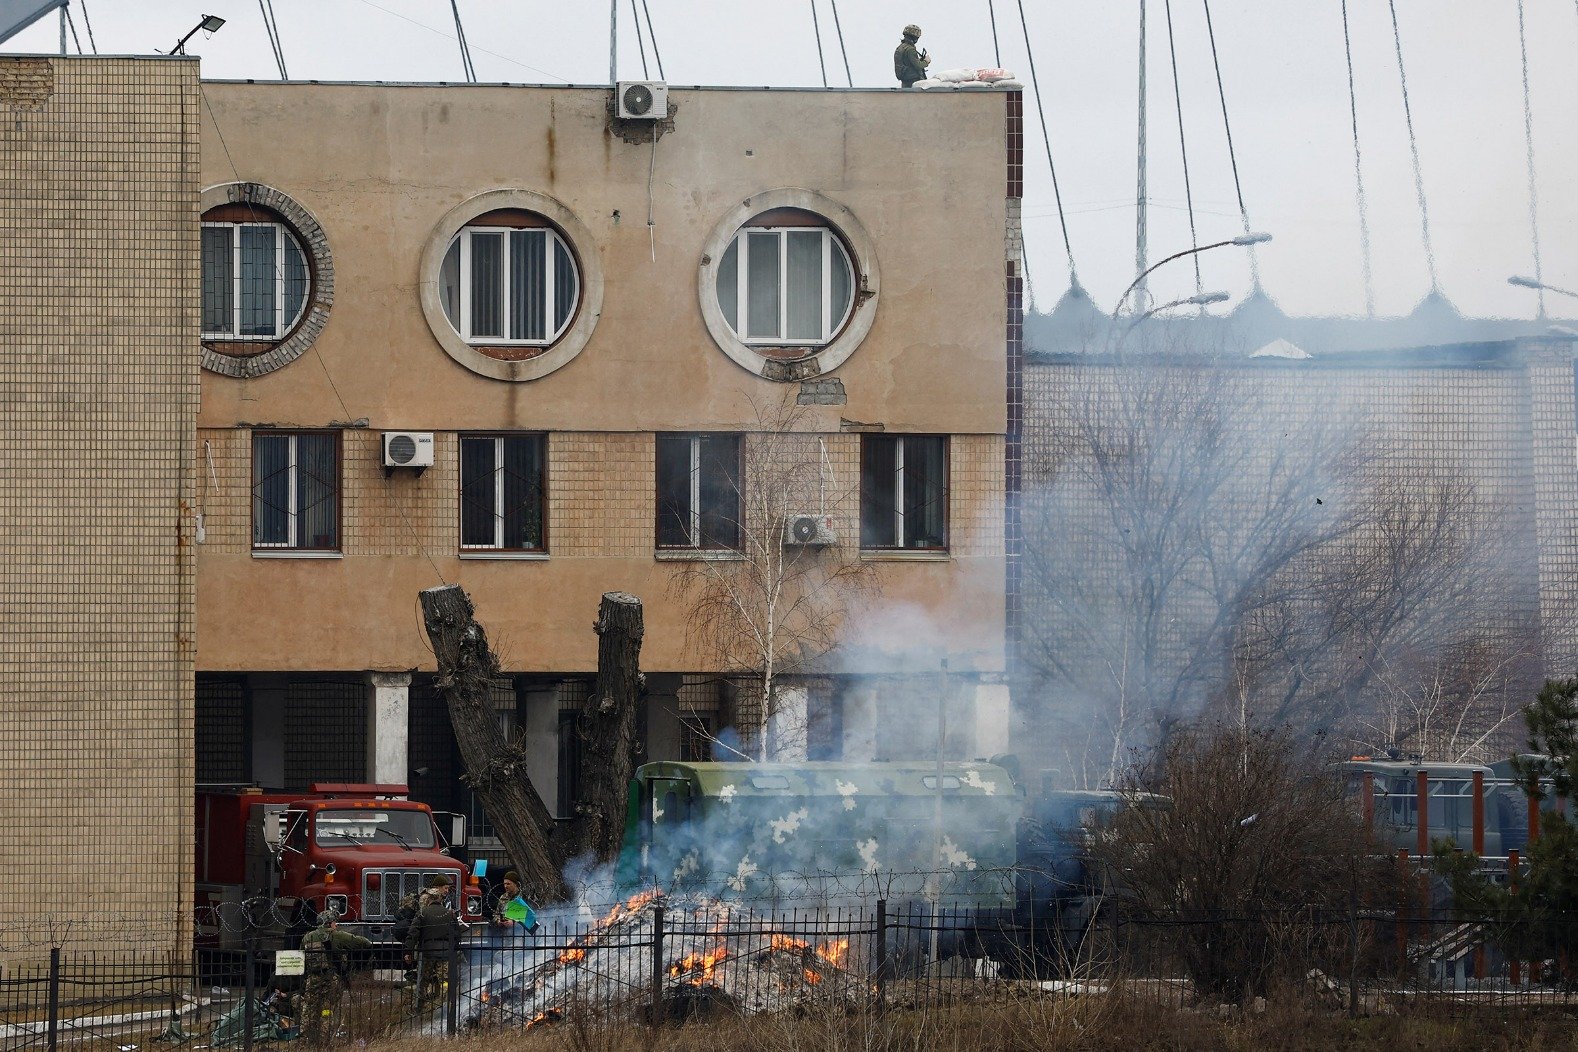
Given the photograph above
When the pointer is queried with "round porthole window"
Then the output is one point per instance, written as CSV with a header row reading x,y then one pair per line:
x,y
509,287
788,284
267,279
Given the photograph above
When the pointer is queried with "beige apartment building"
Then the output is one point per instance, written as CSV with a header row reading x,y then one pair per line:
x,y
594,326
98,399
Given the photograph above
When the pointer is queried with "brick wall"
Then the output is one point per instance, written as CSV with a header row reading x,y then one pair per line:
x,y
98,391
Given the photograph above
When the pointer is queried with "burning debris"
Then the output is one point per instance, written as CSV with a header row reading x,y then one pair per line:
x,y
715,956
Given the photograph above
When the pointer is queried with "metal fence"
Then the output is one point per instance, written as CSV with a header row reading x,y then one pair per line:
x,y
651,961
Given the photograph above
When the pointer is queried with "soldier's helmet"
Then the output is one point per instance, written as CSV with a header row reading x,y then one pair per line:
x,y
912,32
437,880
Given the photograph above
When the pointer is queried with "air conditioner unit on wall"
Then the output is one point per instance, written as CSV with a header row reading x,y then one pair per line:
x,y
809,531
407,449
642,100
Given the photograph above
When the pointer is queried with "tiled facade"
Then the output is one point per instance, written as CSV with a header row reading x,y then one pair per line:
x,y
98,394
1499,416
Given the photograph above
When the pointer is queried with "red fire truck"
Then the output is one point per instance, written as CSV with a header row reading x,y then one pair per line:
x,y
269,861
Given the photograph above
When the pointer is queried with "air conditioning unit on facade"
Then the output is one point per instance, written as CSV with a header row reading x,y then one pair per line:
x,y
809,531
407,449
642,100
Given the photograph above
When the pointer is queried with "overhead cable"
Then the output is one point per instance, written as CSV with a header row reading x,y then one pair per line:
x,y
1232,154
465,51
838,27
1057,193
1358,171
447,36
1183,147
816,27
657,56
1142,202
1528,142
635,18
1413,147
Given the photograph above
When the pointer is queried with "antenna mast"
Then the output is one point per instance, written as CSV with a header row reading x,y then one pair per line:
x,y
1141,203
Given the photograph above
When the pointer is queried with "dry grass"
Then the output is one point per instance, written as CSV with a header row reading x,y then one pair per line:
x,y
1087,1024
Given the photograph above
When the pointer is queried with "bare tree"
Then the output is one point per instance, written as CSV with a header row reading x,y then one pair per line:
x,y
1202,543
496,767
768,607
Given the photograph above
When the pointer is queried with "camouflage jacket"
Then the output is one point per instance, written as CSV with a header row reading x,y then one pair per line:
x,y
323,947
908,65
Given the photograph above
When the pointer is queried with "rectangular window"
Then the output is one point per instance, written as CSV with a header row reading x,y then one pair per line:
x,y
255,281
904,492
698,492
503,492
296,490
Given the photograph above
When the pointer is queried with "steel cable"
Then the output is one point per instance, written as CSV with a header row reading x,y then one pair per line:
x,y
1232,154
1528,141
1358,171
1183,148
997,52
1413,147
838,27
816,27
657,56
1046,138
635,17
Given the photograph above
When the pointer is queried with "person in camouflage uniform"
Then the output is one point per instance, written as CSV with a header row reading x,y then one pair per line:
x,y
431,943
328,974
909,65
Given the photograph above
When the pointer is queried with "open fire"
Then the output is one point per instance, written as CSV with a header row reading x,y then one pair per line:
x,y
723,953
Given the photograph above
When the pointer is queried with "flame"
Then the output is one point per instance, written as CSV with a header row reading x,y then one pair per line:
x,y
784,942
552,1015
697,968
833,952
624,909
574,955
811,977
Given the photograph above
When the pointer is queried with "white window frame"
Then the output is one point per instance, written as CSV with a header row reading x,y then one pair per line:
x,y
292,511
281,324
830,326
549,289
498,494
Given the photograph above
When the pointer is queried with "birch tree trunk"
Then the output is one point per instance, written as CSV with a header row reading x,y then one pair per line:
x,y
495,767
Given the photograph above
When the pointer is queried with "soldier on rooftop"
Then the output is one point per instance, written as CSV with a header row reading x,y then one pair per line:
x,y
909,65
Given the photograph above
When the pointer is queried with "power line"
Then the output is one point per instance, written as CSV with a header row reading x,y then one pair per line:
x,y
465,52
816,27
838,27
1358,171
1141,173
1232,154
656,55
1183,148
1413,147
1057,193
71,23
1528,141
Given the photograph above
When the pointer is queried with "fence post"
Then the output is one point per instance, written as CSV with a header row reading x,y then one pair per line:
x,y
882,953
54,997
656,1015
248,1012
1515,966
452,990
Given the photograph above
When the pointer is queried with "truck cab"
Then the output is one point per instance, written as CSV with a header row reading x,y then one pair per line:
x,y
268,863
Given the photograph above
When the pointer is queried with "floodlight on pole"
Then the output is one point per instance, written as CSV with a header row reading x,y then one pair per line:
x,y
1241,241
209,24
1529,283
